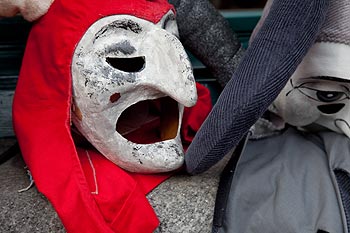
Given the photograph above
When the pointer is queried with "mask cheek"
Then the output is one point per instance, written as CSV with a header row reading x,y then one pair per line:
x,y
295,109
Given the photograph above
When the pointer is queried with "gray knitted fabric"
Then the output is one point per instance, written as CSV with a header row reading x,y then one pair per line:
x,y
288,32
207,35
336,27
343,180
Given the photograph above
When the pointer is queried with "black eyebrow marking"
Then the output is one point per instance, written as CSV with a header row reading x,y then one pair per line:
x,y
331,78
126,24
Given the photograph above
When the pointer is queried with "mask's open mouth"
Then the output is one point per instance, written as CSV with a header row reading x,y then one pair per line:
x,y
150,121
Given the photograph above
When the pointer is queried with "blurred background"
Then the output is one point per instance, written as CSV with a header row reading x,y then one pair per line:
x,y
238,4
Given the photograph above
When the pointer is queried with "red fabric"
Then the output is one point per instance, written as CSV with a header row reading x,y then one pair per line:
x,y
128,189
194,117
41,115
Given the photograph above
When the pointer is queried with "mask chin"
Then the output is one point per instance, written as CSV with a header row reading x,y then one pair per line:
x,y
149,121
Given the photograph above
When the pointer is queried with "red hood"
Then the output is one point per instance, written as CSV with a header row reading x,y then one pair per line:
x,y
41,113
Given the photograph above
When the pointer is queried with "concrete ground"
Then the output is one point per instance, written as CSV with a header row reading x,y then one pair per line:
x,y
184,204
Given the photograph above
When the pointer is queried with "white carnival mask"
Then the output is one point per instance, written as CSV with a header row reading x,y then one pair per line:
x,y
317,95
131,81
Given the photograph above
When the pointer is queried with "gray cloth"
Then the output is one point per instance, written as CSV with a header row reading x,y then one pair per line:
x,y
286,184
343,179
207,35
335,28
286,35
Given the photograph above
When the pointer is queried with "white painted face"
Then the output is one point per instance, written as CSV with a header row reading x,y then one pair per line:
x,y
131,81
317,95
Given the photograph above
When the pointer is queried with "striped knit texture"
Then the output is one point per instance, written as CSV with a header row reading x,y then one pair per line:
x,y
343,180
336,28
208,36
288,32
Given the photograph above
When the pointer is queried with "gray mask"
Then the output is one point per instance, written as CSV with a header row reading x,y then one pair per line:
x,y
317,95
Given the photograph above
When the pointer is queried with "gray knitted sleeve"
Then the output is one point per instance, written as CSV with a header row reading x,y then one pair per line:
x,y
207,35
287,33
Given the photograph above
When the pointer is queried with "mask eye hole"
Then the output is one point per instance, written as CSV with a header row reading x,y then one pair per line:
x,y
329,96
127,64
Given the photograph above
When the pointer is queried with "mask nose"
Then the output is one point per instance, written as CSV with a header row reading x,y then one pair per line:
x,y
343,126
342,121
168,68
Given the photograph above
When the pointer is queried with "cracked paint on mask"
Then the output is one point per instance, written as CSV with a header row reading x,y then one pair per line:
x,y
145,66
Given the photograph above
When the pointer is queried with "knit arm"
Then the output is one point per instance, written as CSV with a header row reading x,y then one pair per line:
x,y
289,30
208,36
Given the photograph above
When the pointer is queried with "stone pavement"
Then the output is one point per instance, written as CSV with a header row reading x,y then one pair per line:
x,y
183,203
